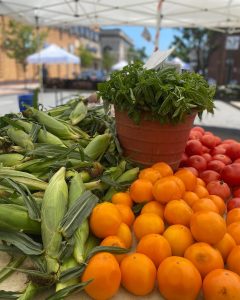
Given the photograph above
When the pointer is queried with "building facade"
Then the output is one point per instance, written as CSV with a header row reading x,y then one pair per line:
x,y
115,42
224,62
69,39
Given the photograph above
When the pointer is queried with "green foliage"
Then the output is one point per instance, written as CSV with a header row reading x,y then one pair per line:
x,y
136,54
86,57
198,42
164,94
22,40
108,60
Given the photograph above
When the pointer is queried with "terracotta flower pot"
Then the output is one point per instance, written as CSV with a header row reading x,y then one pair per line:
x,y
151,142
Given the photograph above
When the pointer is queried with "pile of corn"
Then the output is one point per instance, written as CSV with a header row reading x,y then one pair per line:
x,y
55,166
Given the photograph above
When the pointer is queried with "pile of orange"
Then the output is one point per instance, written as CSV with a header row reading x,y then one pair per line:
x,y
184,242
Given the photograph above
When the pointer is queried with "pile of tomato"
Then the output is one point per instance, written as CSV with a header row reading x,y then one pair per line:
x,y
216,162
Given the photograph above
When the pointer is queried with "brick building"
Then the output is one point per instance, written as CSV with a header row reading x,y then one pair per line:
x,y
224,62
69,39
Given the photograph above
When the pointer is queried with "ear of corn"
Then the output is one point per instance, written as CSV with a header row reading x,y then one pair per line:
x,y
54,206
20,138
67,264
43,135
29,180
98,145
76,189
53,125
128,176
11,159
15,217
79,113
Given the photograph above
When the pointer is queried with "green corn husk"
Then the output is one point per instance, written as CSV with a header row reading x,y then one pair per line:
x,y
91,243
29,180
79,113
67,264
15,217
54,206
30,291
81,234
43,135
20,138
127,176
53,125
98,145
5,191
11,159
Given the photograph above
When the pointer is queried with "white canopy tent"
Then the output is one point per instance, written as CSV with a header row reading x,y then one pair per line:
x,y
120,65
53,55
217,15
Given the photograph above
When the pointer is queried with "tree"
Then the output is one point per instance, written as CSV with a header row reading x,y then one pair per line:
x,y
86,57
21,40
136,54
195,45
108,60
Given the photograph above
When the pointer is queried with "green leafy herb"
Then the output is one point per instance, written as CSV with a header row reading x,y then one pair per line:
x,y
163,95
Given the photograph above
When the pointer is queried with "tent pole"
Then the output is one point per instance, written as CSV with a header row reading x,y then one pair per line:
x,y
158,25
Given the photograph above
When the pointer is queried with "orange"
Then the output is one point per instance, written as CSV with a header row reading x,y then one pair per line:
x,y
125,234
234,230
105,284
205,204
127,214
150,174
204,257
105,220
190,198
218,201
208,227
178,279
141,191
234,259
188,178
155,246
163,168
233,216
178,212
167,189
113,240
179,238
221,284
153,207
225,245
200,182
138,274
147,223
122,198
201,191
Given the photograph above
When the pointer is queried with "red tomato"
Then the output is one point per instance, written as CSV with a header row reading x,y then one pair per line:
x,y
218,150
193,147
198,128
218,141
207,156
219,188
228,141
237,160
233,151
184,160
216,165
208,140
231,174
193,170
225,145
195,135
198,162
209,175
233,203
205,149
236,192
222,157
209,132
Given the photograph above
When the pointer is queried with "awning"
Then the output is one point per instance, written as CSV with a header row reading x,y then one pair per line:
x,y
95,13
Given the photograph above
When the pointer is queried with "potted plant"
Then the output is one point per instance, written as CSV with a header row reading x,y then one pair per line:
x,y
155,110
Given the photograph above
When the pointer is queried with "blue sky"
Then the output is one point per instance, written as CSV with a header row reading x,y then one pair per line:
x,y
166,37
